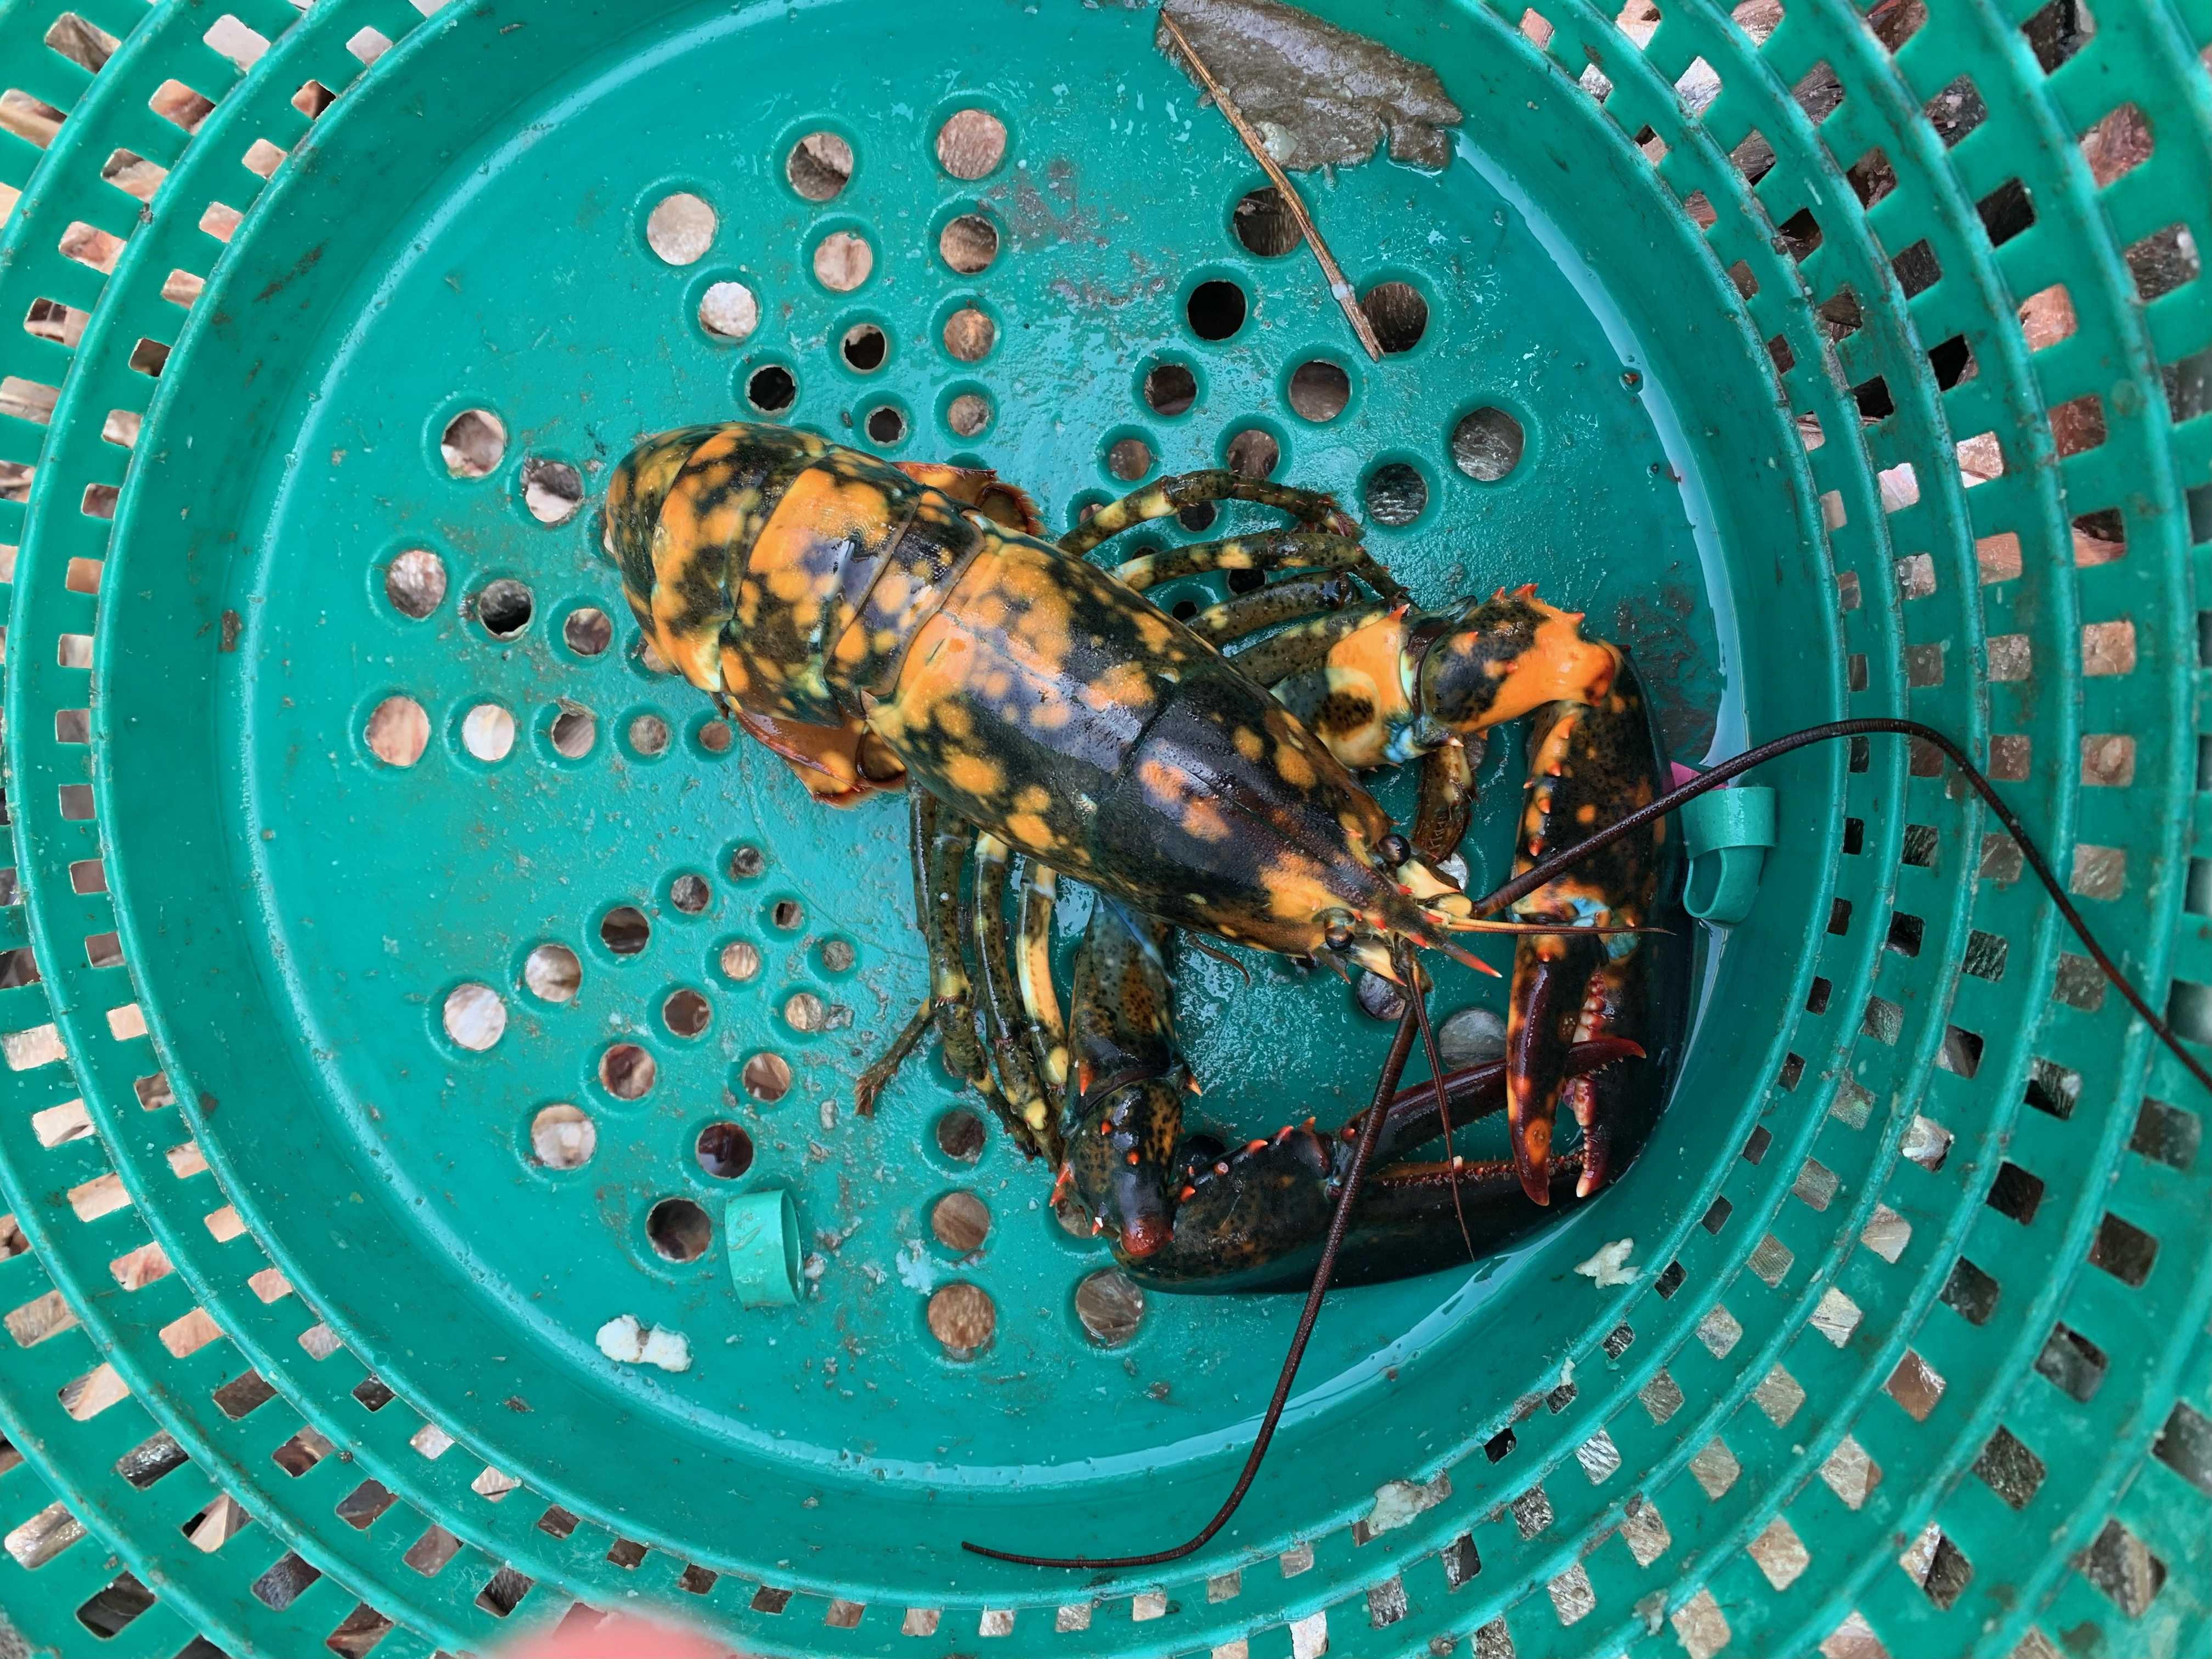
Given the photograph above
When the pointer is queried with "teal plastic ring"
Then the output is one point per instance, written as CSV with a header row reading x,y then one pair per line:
x,y
761,1232
1727,833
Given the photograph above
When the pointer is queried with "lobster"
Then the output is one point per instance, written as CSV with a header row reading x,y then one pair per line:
x,y
908,627
883,626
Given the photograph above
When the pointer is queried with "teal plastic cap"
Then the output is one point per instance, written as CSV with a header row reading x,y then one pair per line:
x,y
762,1231
1727,833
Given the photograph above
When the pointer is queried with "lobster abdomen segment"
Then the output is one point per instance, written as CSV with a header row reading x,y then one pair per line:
x,y
1052,704
783,571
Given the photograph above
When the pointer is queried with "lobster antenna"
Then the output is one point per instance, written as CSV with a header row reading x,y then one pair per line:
x,y
1420,998
1867,726
1206,947
1371,1131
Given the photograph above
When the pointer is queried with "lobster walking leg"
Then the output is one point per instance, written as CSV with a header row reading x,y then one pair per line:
x,y
941,844
1278,602
1272,550
872,1082
1171,494
1033,972
1012,1052
1302,645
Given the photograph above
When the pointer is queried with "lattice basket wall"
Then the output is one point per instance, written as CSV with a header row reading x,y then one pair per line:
x,y
400,973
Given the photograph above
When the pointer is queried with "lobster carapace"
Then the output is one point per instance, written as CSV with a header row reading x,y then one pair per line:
x,y
882,626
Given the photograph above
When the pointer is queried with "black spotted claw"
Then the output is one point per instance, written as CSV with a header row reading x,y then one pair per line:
x,y
1591,763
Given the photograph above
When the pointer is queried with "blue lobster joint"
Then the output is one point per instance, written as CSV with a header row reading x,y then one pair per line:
x,y
761,1230
1727,833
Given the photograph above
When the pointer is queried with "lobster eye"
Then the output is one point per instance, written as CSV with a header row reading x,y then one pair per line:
x,y
1336,929
1394,848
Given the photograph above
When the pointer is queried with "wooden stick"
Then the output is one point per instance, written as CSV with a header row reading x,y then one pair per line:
x,y
1252,141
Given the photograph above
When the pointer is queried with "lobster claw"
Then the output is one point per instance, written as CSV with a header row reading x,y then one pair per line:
x,y
1590,764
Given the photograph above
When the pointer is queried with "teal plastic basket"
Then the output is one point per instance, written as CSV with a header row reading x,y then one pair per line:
x,y
402,980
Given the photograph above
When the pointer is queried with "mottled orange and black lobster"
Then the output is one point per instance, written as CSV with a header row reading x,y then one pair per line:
x,y
883,626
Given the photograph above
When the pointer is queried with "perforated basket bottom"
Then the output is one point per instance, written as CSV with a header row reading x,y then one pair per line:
x,y
692,880
480,967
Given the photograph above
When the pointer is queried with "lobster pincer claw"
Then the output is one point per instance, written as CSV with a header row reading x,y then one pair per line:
x,y
1590,764
1254,1219
1122,1119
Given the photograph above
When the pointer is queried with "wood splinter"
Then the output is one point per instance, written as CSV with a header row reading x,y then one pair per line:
x,y
1329,269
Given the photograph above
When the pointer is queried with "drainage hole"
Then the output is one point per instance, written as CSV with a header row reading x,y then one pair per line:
x,y
1253,453
399,731
626,1071
960,1135
740,961
685,1013
819,166
1320,390
1198,515
414,583
1216,309
487,732
678,1230
472,443
837,955
562,1138
968,414
864,347
504,607
805,1012
680,229
968,244
767,1077
1486,444
474,1016
728,311
625,930
574,730
689,893
587,631
771,390
1109,1305
1185,610
971,144
725,1151
714,737
1170,388
842,260
746,862
1264,223
1397,312
961,1221
970,334
886,425
552,490
1246,581
787,913
551,973
648,735
1129,459
962,1318
1395,494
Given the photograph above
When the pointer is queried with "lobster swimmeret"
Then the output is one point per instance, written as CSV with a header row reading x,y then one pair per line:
x,y
883,626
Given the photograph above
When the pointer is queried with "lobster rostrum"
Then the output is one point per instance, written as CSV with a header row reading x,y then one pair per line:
x,y
882,627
